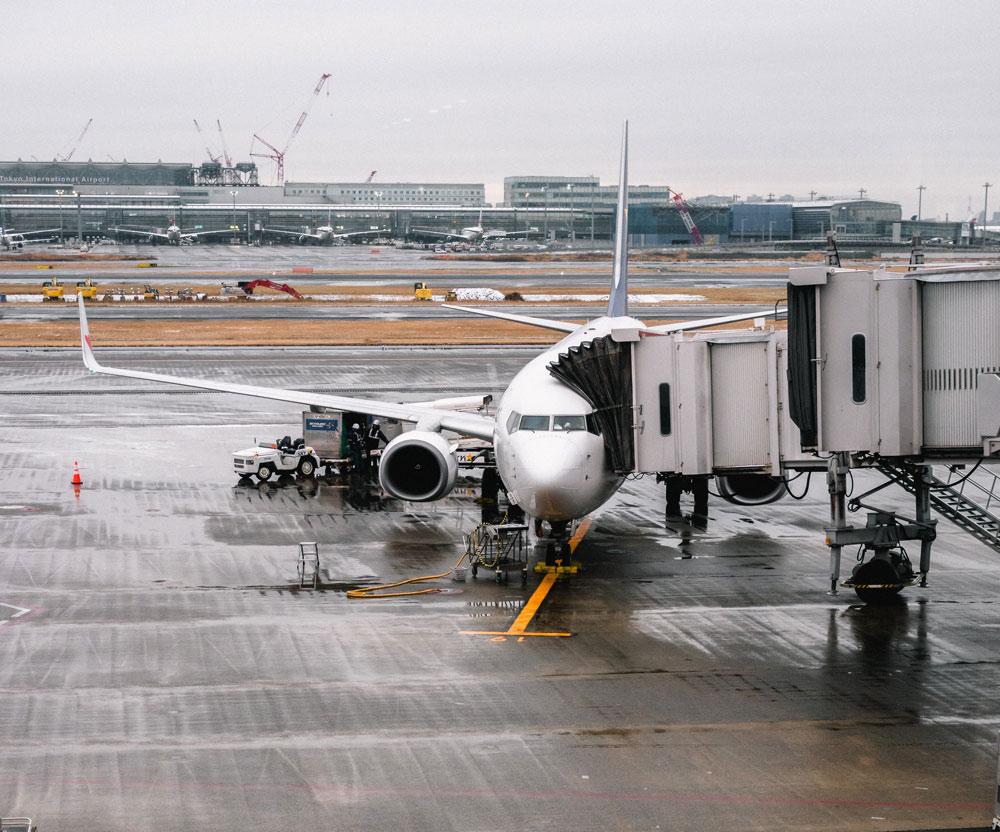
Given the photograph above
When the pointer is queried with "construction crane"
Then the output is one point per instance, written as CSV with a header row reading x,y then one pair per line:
x,y
225,150
371,176
212,157
682,209
67,156
278,156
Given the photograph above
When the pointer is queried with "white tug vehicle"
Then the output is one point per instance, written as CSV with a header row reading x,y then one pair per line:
x,y
284,457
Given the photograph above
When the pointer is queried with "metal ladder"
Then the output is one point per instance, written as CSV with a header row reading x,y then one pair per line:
x,y
953,503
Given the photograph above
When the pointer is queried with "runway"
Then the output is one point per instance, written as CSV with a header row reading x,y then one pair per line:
x,y
168,672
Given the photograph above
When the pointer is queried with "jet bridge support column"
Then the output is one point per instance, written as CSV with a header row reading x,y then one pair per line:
x,y
836,483
922,489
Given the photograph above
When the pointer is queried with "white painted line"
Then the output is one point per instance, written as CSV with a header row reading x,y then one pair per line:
x,y
20,611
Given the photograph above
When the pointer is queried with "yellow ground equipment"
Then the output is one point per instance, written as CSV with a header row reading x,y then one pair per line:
x,y
52,289
451,296
86,289
421,291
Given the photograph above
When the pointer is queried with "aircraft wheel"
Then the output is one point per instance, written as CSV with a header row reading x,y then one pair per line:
x,y
265,472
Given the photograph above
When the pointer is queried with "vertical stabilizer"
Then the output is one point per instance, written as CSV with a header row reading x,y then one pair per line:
x,y
618,302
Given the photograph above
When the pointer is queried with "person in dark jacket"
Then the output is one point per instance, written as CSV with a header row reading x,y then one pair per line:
x,y
356,447
373,439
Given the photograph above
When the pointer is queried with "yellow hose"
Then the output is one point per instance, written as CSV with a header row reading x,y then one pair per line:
x,y
368,591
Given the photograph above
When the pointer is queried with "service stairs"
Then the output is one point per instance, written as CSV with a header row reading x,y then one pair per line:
x,y
965,503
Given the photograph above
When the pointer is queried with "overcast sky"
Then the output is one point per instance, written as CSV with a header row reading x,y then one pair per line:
x,y
723,97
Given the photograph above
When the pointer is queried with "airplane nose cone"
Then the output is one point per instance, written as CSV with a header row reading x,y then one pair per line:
x,y
551,479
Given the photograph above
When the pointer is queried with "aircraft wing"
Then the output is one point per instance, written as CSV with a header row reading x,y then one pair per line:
x,y
544,323
443,235
29,233
702,323
469,424
139,233
296,234
350,235
194,235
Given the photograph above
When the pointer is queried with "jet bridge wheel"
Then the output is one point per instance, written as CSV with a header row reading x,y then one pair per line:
x,y
878,581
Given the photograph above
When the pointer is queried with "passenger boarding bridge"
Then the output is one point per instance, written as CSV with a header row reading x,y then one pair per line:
x,y
892,371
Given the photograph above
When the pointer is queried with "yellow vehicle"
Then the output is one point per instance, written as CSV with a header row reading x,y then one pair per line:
x,y
451,296
86,289
421,291
52,289
150,293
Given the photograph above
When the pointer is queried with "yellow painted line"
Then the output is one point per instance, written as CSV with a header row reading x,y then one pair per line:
x,y
534,602
519,628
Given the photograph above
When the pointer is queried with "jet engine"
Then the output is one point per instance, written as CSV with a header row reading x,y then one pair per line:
x,y
750,489
418,465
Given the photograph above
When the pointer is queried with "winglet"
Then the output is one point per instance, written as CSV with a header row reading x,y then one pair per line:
x,y
618,301
88,353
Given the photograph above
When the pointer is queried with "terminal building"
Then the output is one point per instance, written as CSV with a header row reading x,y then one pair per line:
x,y
93,198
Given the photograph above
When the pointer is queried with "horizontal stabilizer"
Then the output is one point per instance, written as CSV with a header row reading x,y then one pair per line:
x,y
543,323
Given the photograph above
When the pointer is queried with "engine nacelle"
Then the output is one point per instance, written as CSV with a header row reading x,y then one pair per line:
x,y
418,465
750,489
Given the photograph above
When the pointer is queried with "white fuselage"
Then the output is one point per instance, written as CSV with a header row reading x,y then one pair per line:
x,y
553,474
173,234
324,234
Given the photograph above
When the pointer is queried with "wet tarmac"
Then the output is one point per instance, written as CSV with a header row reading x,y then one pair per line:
x,y
170,674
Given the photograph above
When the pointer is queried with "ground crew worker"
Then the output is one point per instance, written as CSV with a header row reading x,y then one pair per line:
x,y
373,439
356,445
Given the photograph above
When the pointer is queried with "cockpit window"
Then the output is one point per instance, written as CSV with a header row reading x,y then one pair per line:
x,y
512,421
573,422
534,423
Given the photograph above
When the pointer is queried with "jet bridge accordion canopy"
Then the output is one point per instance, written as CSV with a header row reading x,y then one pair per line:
x,y
601,372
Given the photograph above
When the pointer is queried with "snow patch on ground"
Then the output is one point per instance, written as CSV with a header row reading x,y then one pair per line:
x,y
672,298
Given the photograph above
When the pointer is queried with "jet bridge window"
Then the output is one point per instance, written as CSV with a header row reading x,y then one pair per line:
x,y
858,369
534,423
665,410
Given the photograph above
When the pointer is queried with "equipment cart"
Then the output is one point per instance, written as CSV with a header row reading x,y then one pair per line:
x,y
498,546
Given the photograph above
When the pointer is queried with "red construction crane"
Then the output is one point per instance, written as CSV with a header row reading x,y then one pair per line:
x,y
67,156
371,176
249,285
278,156
212,157
685,213
225,150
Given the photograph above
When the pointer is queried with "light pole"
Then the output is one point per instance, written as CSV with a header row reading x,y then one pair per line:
x,y
592,214
545,215
79,218
527,215
572,213
920,200
232,218
986,202
378,211
770,231
59,193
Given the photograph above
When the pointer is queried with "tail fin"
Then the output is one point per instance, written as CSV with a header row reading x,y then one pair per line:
x,y
618,302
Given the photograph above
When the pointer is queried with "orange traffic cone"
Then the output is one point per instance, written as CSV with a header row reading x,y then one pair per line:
x,y
77,480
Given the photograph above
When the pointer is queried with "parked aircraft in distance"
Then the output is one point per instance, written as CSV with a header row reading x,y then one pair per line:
x,y
473,233
548,440
11,239
326,235
172,235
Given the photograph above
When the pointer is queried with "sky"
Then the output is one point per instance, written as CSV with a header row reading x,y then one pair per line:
x,y
722,97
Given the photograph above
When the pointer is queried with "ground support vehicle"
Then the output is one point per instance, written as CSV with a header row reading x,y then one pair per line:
x,y
274,459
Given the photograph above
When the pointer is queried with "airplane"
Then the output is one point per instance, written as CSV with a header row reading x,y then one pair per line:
x,y
10,239
172,236
547,438
326,235
473,233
